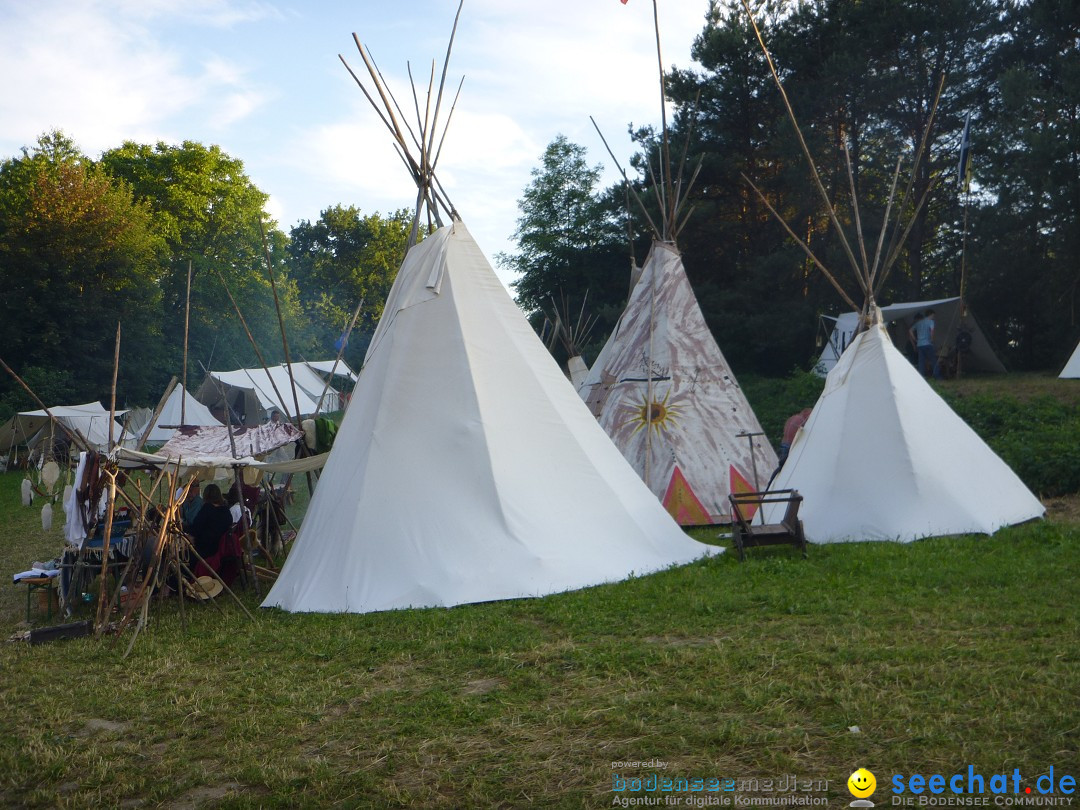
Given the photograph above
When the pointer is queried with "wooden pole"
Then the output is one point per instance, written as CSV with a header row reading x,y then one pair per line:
x,y
157,412
183,368
72,434
802,142
102,614
281,320
341,351
112,400
667,191
258,354
245,524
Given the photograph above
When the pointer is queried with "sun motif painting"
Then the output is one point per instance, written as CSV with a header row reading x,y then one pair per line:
x,y
661,416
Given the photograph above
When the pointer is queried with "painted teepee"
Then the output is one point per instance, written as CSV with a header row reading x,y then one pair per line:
x,y
882,456
662,389
466,468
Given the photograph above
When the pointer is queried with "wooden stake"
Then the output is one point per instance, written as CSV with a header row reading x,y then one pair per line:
x,y
183,367
112,400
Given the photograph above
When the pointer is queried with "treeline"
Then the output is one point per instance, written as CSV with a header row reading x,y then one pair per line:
x,y
865,74
87,244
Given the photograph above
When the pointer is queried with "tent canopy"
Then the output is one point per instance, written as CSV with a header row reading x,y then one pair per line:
x,y
466,468
195,414
250,394
691,455
883,457
952,321
340,369
90,421
1072,367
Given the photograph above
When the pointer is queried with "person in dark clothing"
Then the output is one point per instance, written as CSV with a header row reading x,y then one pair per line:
x,y
211,523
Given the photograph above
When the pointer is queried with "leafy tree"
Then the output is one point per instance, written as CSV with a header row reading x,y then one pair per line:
x,y
337,262
863,75
569,241
77,256
1025,232
210,213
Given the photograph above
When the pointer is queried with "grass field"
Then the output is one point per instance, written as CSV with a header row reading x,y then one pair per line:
x,y
924,658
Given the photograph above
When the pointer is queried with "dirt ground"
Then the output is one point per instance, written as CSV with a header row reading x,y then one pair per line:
x,y
1065,508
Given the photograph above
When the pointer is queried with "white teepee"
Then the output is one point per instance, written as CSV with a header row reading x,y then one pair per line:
x,y
691,454
466,469
193,414
883,457
1072,368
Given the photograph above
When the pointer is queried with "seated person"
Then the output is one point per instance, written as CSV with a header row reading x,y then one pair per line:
x,y
237,510
211,523
192,505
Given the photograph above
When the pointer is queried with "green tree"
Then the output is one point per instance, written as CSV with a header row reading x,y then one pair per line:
x,y
340,260
77,256
1025,232
863,75
569,243
209,213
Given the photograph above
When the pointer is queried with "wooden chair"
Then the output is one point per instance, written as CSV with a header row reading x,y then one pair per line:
x,y
747,534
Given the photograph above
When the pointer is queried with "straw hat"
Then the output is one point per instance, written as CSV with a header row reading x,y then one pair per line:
x,y
205,587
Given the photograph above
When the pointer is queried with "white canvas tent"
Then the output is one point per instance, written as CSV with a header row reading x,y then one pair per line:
x,y
956,334
337,368
883,457
250,394
466,468
661,351
90,421
180,403
1072,367
318,376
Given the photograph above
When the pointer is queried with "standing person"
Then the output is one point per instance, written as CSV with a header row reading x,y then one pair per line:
x,y
922,335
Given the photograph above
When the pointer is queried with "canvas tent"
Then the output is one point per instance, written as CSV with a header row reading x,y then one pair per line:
x,y
180,403
500,486
956,334
89,421
251,396
466,468
1072,367
883,457
327,371
691,454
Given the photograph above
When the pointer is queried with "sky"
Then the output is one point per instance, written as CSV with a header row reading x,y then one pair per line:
x,y
263,80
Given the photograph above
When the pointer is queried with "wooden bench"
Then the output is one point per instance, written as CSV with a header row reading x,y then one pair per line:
x,y
747,534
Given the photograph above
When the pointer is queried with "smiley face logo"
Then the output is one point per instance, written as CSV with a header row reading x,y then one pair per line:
x,y
861,783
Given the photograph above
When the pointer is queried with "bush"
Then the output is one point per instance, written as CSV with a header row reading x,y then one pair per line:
x,y
1039,438
774,399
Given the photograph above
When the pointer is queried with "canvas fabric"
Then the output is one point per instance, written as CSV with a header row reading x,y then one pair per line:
x,y
883,457
692,452
466,468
